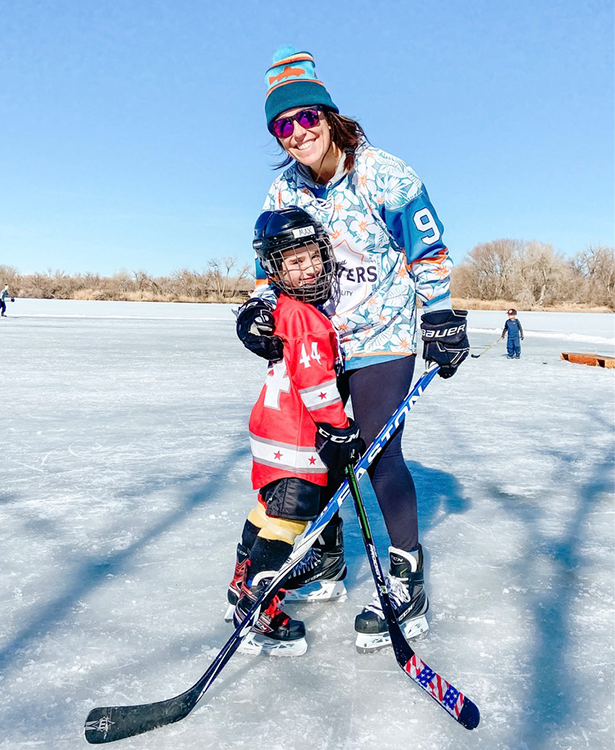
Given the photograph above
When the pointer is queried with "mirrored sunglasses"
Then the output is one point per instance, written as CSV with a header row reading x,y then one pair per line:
x,y
283,127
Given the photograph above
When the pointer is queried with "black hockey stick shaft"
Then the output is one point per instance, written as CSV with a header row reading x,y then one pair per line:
x,y
461,708
111,723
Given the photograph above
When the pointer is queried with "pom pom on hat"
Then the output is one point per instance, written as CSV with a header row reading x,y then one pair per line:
x,y
283,52
291,82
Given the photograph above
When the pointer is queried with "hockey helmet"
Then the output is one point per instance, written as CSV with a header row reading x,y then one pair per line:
x,y
512,311
281,237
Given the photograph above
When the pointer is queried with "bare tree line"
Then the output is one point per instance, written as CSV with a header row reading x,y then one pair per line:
x,y
511,272
222,281
533,275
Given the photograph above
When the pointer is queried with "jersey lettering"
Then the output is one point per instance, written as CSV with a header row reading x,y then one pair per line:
x,y
425,222
276,382
305,357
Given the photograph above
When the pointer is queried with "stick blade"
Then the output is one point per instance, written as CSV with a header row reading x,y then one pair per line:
x,y
469,716
105,725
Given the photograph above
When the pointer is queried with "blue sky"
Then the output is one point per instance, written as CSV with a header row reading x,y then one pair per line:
x,y
133,133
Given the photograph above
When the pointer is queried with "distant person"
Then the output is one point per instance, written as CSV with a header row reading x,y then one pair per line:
x,y
387,240
3,295
299,431
514,331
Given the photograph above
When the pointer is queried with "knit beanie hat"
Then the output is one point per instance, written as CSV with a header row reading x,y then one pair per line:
x,y
291,82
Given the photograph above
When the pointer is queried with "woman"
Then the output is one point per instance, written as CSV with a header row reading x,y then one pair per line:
x,y
388,244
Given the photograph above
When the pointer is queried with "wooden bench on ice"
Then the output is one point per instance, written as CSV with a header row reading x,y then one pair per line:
x,y
595,360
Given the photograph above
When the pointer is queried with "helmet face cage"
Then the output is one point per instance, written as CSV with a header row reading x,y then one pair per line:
x,y
287,259
315,281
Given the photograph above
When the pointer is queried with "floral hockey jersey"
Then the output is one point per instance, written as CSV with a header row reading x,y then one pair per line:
x,y
299,391
387,239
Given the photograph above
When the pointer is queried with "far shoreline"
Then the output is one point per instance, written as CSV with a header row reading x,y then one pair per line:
x,y
459,303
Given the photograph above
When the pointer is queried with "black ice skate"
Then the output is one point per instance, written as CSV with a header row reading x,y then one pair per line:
x,y
274,633
234,589
405,585
319,576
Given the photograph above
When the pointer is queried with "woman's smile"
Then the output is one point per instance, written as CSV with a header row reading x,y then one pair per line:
x,y
312,147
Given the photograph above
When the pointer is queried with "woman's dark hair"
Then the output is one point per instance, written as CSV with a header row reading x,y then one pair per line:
x,y
346,134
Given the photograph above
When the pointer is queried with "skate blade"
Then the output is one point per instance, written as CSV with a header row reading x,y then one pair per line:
x,y
257,645
368,642
318,591
230,611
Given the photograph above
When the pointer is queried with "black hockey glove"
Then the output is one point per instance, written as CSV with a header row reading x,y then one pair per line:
x,y
338,446
445,339
255,326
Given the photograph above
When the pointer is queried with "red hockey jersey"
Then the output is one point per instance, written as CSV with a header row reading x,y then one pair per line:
x,y
299,391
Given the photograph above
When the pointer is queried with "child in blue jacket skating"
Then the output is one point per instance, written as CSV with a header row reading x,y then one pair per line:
x,y
513,329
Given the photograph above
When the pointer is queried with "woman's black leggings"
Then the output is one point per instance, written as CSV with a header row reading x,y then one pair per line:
x,y
375,392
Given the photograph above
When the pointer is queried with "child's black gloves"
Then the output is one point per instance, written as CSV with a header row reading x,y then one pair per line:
x,y
255,327
445,339
338,446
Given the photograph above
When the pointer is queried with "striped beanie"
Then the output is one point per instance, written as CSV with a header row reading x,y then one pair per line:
x,y
291,82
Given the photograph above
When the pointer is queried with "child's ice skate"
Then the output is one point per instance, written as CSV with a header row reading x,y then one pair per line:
x,y
274,633
405,584
234,589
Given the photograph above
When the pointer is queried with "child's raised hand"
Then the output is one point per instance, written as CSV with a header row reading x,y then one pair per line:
x,y
255,327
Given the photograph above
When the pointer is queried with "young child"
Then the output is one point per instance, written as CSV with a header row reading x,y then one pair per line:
x,y
298,427
513,329
3,295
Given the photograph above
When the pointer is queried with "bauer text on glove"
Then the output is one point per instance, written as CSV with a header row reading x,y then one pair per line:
x,y
445,339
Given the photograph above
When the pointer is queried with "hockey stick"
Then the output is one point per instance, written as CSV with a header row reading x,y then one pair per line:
x,y
476,356
461,708
108,724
